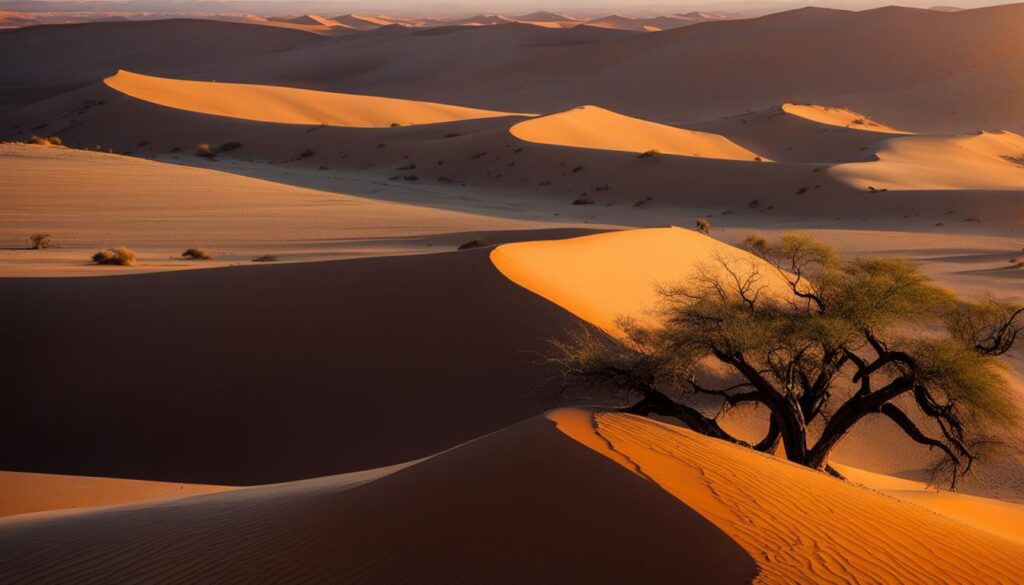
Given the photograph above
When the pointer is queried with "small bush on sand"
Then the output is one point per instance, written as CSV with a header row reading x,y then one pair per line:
x,y
265,258
649,153
582,201
473,244
307,153
46,140
196,254
204,150
703,226
120,257
39,241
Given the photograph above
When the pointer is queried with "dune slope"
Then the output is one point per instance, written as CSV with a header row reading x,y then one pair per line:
x,y
983,161
26,493
332,367
524,505
286,105
605,276
801,526
594,127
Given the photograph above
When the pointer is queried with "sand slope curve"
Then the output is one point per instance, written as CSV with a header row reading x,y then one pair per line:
x,y
800,525
285,105
983,161
594,127
523,505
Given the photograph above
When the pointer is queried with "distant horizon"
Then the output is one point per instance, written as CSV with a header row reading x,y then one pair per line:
x,y
587,8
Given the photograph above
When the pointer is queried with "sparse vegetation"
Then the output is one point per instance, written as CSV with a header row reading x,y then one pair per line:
x,y
46,140
577,168
265,258
39,241
583,201
120,256
196,254
204,150
643,201
474,243
307,153
703,226
649,153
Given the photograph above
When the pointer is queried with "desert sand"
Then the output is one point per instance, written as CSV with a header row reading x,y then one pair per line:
x,y
286,105
593,127
371,406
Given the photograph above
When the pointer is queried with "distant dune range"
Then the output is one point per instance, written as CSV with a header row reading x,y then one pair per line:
x,y
564,157
900,65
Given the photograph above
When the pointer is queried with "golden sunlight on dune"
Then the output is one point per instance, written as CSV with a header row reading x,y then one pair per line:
x,y
834,116
983,161
998,517
26,493
594,127
285,105
605,276
800,526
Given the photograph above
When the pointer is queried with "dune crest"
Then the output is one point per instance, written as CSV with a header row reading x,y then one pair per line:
x,y
801,526
983,161
286,105
594,127
836,116
602,277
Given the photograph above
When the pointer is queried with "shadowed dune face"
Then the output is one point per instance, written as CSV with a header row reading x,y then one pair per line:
x,y
331,367
593,127
801,526
41,62
286,105
524,505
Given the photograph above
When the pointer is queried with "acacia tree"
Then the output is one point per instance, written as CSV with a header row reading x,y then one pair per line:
x,y
821,342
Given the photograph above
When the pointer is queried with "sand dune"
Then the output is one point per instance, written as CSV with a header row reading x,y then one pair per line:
x,y
89,200
834,116
801,526
40,62
984,161
27,493
300,380
287,105
471,514
603,277
998,517
593,127
524,505
785,136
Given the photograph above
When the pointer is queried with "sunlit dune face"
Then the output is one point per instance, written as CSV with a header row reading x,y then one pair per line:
x,y
985,161
594,127
603,277
799,525
834,116
284,105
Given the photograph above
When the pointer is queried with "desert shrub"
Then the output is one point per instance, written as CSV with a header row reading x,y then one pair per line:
x,y
648,153
577,168
39,241
46,140
474,243
395,125
643,201
120,256
229,146
307,153
703,226
204,150
582,201
265,258
196,254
